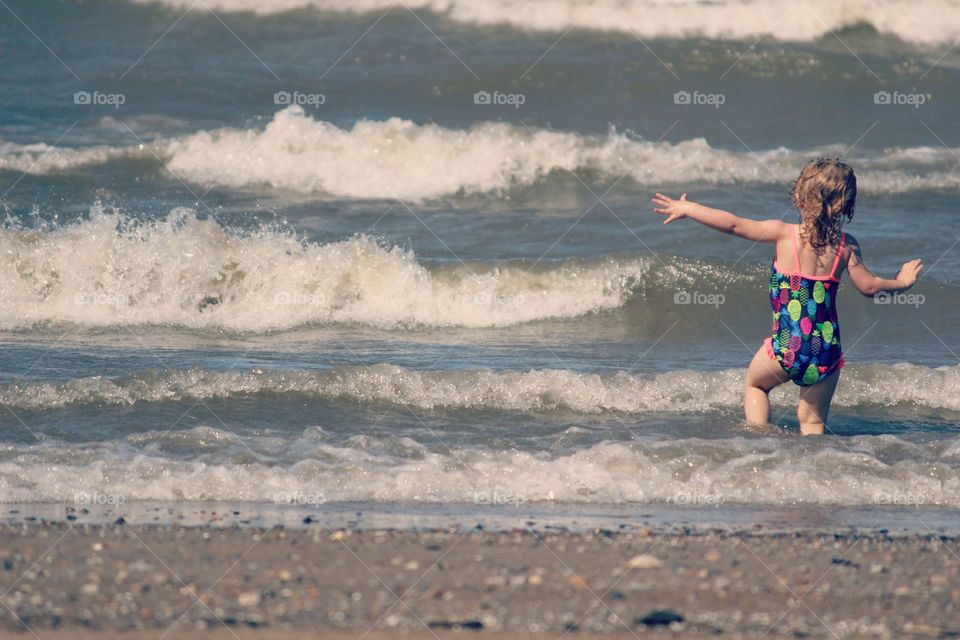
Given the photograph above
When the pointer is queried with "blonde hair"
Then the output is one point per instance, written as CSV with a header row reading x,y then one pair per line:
x,y
825,194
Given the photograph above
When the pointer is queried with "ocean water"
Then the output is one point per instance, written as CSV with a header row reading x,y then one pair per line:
x,y
320,252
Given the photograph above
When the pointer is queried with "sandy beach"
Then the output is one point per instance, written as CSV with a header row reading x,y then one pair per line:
x,y
73,580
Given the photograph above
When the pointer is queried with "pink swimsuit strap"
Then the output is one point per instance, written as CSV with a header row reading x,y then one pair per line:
x,y
836,263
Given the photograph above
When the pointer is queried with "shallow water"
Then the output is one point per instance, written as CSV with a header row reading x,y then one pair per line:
x,y
396,292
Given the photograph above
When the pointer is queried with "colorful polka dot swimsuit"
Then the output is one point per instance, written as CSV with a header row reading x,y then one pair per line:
x,y
806,332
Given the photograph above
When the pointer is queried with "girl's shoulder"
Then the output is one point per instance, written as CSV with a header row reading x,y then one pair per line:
x,y
850,245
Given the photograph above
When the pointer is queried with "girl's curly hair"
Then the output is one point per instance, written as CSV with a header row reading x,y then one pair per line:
x,y
825,194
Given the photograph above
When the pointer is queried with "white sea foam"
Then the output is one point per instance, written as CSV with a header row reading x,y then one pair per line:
x,y
537,390
397,158
919,21
44,159
880,470
189,272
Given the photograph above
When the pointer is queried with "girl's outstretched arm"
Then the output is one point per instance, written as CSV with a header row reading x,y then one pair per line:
x,y
869,284
755,230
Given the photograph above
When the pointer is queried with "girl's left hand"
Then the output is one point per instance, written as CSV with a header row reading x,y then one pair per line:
x,y
673,209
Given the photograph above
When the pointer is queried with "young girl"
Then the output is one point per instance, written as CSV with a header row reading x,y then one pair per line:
x,y
804,278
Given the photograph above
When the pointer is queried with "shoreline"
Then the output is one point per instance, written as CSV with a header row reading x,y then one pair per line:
x,y
74,580
898,520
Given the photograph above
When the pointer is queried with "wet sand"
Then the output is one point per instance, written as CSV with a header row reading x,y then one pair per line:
x,y
93,581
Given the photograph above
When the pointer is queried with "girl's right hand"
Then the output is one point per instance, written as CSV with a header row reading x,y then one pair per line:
x,y
909,272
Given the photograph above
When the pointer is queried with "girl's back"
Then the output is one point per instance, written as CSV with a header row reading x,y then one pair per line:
x,y
813,263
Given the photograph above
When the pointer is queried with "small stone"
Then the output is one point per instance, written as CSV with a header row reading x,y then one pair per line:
x,y
90,589
644,561
660,617
338,535
923,630
843,562
535,579
578,582
877,568
284,575
249,599
97,546
413,565
474,625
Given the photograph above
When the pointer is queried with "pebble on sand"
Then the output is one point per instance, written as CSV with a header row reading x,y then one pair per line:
x,y
248,599
644,561
660,617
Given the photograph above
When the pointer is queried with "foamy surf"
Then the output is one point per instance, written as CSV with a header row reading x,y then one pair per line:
x,y
398,158
44,159
539,390
882,470
922,22
113,271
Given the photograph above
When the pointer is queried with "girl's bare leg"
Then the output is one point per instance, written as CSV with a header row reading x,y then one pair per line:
x,y
815,405
763,374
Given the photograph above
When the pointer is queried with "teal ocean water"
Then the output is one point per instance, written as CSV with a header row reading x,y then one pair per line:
x,y
304,252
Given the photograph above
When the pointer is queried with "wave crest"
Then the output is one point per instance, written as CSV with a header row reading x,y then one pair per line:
x,y
397,158
536,390
184,271
920,21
